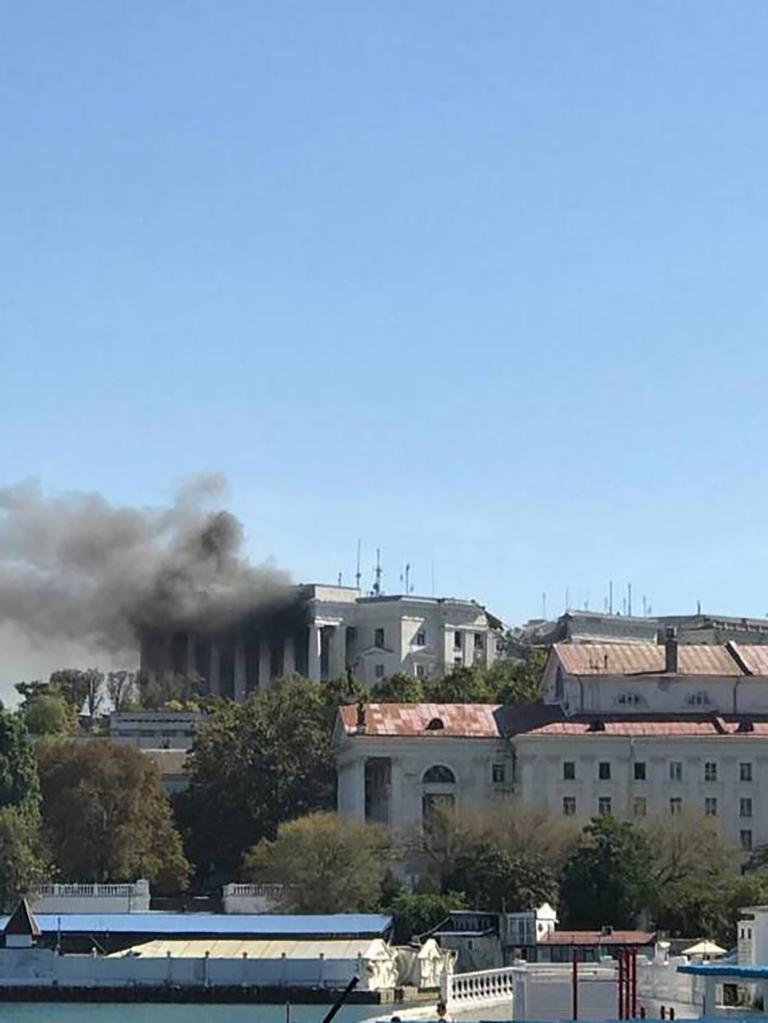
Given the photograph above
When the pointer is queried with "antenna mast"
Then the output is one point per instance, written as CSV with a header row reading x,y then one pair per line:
x,y
377,573
358,573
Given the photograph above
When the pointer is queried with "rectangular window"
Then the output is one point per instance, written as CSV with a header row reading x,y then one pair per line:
x,y
675,770
457,662
710,806
421,638
675,805
479,641
421,671
378,637
745,807
745,772
710,771
745,839
457,641
604,805
640,771
499,773
569,806
639,806
569,770
604,770
379,671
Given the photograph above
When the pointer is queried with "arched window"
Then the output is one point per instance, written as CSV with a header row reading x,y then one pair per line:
x,y
439,775
435,725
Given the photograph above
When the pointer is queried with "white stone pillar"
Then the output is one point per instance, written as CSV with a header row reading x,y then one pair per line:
x,y
289,656
396,822
265,664
351,789
337,661
313,659
240,672
214,677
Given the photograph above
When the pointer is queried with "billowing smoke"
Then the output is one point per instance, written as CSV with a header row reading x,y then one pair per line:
x,y
75,569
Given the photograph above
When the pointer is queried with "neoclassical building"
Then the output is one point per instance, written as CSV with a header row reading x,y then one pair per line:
x,y
634,730
321,632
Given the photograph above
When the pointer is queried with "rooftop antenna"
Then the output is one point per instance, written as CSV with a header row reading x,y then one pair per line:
x,y
339,578
543,605
610,596
645,606
698,607
377,574
408,587
629,599
567,599
358,573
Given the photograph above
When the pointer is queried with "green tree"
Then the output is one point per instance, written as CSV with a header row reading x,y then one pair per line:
x,y
397,688
19,783
154,692
499,881
254,765
49,714
121,689
327,863
83,689
462,685
692,874
417,913
22,863
607,877
105,816
519,681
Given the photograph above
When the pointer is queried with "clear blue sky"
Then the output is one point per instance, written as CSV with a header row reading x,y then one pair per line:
x,y
483,283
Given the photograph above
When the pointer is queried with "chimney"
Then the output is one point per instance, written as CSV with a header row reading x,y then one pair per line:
x,y
670,648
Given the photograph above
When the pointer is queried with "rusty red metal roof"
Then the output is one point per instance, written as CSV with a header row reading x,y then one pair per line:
x,y
598,938
492,721
648,659
651,726
432,720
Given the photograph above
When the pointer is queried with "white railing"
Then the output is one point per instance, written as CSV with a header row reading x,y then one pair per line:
x,y
88,890
479,987
273,891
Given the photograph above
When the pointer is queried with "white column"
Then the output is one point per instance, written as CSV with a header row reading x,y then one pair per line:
x,y
240,674
265,664
289,656
313,659
395,795
337,661
214,678
351,789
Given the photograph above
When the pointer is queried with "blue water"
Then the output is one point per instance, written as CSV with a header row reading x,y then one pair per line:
x,y
45,1012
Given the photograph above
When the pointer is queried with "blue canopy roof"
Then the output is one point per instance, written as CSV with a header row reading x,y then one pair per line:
x,y
725,970
256,924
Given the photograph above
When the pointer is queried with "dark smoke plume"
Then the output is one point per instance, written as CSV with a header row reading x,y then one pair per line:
x,y
77,568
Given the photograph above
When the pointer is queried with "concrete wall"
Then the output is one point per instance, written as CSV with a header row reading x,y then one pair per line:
x,y
45,967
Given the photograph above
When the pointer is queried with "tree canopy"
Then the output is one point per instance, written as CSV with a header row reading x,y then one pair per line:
x,y
500,881
254,765
327,863
105,816
606,879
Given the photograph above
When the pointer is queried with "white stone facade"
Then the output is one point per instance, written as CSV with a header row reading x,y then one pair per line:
x,y
640,743
332,630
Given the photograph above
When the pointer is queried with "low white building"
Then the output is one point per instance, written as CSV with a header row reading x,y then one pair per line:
x,y
155,729
633,730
